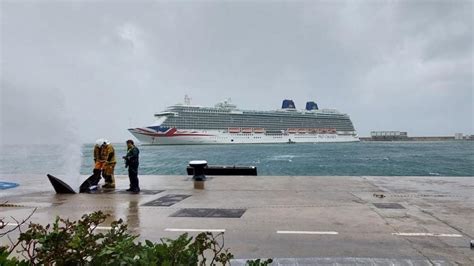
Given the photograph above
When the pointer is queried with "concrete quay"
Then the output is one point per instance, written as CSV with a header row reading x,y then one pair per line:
x,y
298,220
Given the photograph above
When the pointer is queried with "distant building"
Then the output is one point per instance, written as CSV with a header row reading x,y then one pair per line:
x,y
461,136
389,135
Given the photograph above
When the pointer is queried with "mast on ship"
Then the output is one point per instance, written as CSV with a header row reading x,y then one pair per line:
x,y
187,100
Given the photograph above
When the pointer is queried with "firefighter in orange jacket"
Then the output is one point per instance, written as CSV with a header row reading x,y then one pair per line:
x,y
104,158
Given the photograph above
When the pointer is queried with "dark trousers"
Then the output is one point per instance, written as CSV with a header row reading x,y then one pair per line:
x,y
133,176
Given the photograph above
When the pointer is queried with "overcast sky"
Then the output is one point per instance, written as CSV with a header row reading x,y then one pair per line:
x,y
90,69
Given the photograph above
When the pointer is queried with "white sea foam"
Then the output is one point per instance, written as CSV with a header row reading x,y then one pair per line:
x,y
287,157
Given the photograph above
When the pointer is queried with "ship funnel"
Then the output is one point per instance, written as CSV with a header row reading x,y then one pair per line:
x,y
288,104
311,106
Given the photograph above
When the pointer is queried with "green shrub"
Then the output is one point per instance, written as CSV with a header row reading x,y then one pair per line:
x,y
68,242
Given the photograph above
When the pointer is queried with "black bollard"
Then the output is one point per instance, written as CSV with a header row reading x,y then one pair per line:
x,y
198,167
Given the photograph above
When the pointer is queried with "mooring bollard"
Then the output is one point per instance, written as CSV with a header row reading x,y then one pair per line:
x,y
472,244
198,175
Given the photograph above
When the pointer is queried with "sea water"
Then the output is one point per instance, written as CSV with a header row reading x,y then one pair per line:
x,y
447,158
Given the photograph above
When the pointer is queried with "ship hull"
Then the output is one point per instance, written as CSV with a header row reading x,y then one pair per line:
x,y
147,137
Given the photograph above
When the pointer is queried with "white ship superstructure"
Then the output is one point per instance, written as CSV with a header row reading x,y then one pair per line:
x,y
226,124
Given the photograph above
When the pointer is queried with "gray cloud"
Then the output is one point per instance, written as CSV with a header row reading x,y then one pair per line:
x,y
400,65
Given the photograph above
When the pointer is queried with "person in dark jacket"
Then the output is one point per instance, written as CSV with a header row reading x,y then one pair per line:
x,y
131,161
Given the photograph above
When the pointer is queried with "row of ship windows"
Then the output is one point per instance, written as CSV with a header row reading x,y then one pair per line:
x,y
257,121
266,126
239,136
243,117
262,124
339,128
227,116
220,128
220,112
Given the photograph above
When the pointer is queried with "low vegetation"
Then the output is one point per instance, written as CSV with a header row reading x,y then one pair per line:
x,y
66,242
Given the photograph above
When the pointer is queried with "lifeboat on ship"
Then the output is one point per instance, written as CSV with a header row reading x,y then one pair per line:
x,y
302,130
234,130
247,130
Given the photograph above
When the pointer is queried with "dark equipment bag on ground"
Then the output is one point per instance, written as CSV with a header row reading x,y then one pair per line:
x,y
91,181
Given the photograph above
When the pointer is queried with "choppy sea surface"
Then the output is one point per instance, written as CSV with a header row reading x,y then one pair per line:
x,y
448,158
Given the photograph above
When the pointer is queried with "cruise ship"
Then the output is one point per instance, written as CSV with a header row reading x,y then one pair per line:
x,y
226,124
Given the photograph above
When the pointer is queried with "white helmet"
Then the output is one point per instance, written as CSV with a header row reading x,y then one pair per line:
x,y
100,142
106,141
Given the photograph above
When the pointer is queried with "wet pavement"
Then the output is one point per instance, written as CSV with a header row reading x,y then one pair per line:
x,y
302,220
